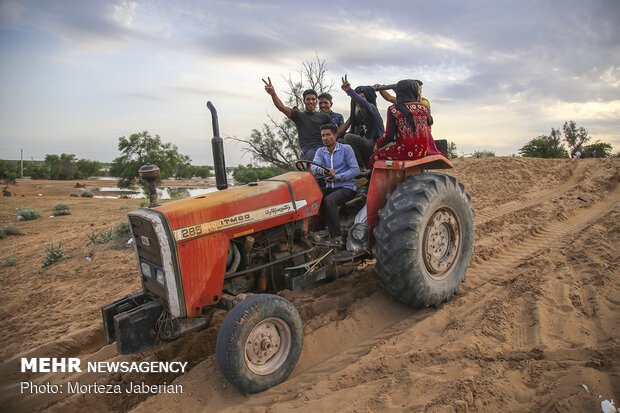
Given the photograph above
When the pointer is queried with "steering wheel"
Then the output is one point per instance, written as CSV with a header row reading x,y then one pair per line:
x,y
303,165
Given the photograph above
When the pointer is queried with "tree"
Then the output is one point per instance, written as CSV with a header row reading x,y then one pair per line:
x,y
574,137
545,146
36,170
552,147
86,168
9,170
603,149
244,174
141,149
452,150
61,167
184,169
203,171
276,141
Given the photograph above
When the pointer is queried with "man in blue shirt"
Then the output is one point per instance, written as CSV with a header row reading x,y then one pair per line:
x,y
339,158
325,106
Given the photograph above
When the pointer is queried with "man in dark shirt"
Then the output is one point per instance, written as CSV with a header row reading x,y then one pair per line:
x,y
366,122
308,122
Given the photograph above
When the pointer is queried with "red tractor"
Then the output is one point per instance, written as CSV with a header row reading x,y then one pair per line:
x,y
235,248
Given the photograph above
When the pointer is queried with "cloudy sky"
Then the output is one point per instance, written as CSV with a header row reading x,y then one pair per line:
x,y
76,75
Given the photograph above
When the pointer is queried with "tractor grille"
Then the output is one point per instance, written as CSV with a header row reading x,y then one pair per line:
x,y
149,255
146,241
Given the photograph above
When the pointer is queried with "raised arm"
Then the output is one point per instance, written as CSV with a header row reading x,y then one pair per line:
x,y
346,86
343,128
385,94
276,100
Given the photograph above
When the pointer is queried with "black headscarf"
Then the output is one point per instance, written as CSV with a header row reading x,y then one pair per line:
x,y
371,97
406,91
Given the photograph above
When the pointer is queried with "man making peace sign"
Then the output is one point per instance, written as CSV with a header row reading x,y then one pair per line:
x,y
308,122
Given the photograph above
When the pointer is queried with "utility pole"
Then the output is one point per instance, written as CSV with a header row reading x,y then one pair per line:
x,y
22,163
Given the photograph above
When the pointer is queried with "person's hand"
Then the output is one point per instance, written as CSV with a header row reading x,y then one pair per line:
x,y
269,87
345,84
374,148
375,86
331,176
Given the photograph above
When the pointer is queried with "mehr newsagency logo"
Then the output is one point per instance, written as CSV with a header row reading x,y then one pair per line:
x,y
74,365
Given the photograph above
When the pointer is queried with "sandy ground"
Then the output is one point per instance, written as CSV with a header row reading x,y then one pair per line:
x,y
536,326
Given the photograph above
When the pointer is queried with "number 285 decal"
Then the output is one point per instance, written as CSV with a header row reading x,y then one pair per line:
x,y
190,232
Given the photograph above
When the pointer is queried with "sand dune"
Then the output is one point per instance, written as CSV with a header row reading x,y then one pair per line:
x,y
534,327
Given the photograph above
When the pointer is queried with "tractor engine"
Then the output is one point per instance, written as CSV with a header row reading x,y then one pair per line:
x,y
193,251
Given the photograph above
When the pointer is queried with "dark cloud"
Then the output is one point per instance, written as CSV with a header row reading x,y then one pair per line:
x,y
526,56
75,20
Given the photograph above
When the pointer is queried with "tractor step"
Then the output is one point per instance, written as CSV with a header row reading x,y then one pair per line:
x,y
302,275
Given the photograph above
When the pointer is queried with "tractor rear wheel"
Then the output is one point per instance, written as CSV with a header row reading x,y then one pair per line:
x,y
424,239
259,342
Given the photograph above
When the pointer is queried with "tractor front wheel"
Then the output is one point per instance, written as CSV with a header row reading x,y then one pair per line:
x,y
424,239
259,342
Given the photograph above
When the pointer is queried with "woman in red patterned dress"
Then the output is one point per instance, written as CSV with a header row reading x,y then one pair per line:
x,y
407,135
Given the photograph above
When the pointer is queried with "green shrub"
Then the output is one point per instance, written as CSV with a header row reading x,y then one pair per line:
x,y
249,173
178,193
10,229
123,207
119,234
6,192
145,204
86,194
28,214
9,261
61,209
74,195
483,154
121,231
101,237
53,254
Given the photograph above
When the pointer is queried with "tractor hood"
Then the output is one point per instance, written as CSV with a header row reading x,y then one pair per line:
x,y
185,242
291,196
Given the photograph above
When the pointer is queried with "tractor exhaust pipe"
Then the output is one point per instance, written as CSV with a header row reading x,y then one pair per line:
x,y
217,145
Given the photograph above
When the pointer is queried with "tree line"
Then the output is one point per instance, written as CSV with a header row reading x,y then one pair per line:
x,y
64,166
136,150
577,139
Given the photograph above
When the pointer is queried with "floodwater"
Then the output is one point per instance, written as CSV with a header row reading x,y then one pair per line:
x,y
162,193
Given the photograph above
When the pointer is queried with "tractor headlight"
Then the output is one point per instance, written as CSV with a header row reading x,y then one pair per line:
x,y
160,277
146,269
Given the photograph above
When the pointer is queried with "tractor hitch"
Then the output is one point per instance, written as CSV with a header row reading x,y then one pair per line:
x,y
138,322
132,322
